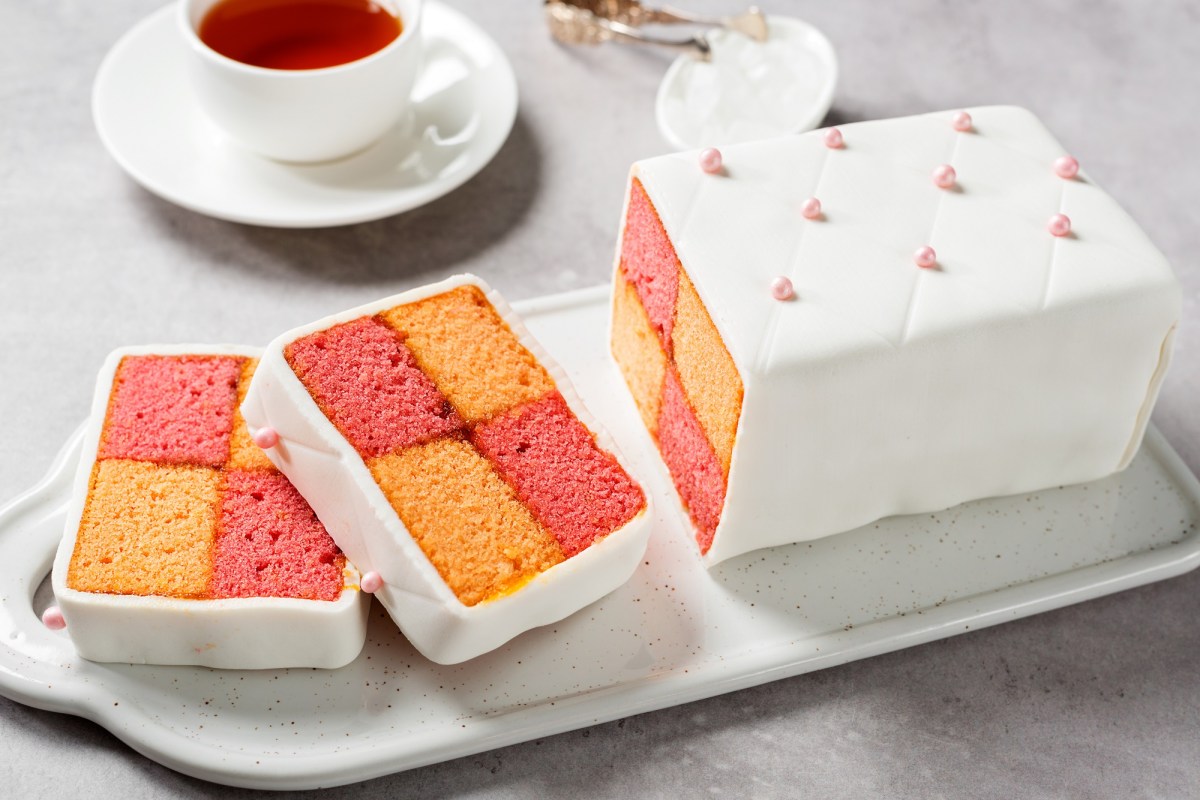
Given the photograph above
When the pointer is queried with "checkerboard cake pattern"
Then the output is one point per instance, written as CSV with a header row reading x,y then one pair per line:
x,y
182,504
469,439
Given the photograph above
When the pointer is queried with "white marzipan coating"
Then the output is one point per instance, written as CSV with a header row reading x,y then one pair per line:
x,y
1023,361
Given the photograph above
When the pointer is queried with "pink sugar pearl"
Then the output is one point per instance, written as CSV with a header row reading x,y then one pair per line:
x,y
371,582
944,176
710,160
1066,167
810,208
782,289
266,438
834,139
961,121
53,618
1059,225
925,257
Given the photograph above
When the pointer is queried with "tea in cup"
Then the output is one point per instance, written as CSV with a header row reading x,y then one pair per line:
x,y
303,80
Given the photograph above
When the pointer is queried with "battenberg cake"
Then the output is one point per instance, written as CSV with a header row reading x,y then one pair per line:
x,y
184,544
453,462
887,318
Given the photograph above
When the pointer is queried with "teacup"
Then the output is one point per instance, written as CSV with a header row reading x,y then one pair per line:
x,y
305,115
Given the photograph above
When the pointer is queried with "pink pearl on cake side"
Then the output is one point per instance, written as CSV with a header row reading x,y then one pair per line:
x,y
925,257
266,438
810,208
944,176
834,139
53,618
710,160
1066,167
371,582
961,122
782,289
1059,225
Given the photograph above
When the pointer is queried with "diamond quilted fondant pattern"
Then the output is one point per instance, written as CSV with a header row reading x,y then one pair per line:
x,y
995,258
1009,360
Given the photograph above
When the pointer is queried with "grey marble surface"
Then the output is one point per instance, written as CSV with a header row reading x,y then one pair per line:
x,y
1096,700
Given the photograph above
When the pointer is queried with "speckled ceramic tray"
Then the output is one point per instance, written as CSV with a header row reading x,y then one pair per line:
x,y
674,633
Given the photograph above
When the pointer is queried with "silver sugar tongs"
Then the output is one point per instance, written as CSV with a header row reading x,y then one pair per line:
x,y
596,21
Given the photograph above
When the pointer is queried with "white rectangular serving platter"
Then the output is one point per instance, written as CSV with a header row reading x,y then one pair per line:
x,y
673,634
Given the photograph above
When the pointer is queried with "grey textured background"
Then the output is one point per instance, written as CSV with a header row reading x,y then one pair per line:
x,y
1097,700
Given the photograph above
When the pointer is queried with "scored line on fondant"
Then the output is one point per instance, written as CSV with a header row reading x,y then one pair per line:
x,y
763,350
931,274
1054,245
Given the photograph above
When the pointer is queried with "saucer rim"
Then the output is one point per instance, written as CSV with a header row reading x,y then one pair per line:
x,y
499,126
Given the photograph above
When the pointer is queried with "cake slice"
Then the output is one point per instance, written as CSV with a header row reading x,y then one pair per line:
x,y
453,462
890,318
184,544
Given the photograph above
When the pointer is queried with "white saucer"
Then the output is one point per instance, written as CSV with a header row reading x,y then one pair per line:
x,y
465,102
748,90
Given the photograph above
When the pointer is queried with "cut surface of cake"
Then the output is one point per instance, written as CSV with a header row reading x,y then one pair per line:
x,y
891,317
448,454
184,544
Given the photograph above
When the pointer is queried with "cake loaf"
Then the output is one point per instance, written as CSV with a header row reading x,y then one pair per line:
x,y
447,455
184,544
888,318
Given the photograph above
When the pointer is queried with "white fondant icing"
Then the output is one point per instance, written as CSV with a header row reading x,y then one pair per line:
x,y
1021,361
336,482
233,633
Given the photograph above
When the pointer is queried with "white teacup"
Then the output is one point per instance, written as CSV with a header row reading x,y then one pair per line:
x,y
306,115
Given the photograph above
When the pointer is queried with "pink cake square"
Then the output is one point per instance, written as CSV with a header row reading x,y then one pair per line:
x,y
172,409
369,385
574,488
270,543
691,460
650,263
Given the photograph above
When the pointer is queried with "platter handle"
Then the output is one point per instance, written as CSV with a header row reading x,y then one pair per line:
x,y
37,665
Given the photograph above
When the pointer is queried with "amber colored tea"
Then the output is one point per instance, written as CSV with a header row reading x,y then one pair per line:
x,y
298,34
